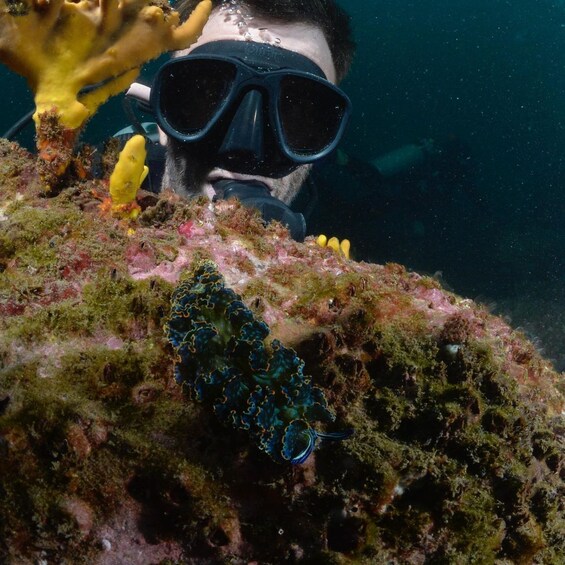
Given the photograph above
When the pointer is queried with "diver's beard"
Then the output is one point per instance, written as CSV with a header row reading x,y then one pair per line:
x,y
189,176
287,188
183,173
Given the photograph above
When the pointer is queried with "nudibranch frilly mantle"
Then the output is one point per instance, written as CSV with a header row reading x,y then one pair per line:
x,y
224,361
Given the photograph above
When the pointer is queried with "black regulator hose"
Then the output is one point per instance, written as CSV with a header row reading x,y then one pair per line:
x,y
18,126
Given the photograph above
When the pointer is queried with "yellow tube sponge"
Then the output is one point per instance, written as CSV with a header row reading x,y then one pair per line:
x,y
125,180
343,247
63,46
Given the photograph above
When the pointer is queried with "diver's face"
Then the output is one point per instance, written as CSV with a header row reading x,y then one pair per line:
x,y
193,173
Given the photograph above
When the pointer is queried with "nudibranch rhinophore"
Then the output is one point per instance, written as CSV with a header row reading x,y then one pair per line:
x,y
224,361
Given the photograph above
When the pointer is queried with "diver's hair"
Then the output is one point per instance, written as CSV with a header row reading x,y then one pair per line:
x,y
324,14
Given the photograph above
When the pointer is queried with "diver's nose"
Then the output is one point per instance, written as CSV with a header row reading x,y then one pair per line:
x,y
244,137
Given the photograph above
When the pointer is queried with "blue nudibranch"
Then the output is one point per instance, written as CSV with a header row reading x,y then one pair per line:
x,y
222,358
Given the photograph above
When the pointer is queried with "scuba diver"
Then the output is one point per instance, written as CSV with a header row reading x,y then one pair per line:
x,y
252,105
253,110
247,109
407,205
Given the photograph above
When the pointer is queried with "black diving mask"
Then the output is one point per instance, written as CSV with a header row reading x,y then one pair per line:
x,y
257,108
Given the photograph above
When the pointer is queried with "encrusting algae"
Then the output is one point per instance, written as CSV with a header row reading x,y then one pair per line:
x,y
458,446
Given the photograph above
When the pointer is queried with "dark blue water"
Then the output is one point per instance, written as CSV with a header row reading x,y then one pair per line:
x,y
491,74
487,75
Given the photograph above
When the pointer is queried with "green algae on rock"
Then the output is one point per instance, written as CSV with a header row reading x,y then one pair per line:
x,y
458,452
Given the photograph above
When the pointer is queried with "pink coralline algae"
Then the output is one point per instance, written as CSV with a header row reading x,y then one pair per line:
x,y
458,450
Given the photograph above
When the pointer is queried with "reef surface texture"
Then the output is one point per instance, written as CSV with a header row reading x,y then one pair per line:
x,y
458,450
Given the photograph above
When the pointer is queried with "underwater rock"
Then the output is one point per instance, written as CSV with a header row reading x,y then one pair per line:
x,y
458,450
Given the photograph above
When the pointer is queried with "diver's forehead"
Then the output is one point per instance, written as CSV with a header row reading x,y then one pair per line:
x,y
307,40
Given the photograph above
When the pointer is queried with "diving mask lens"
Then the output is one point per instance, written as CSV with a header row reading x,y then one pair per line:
x,y
311,114
192,94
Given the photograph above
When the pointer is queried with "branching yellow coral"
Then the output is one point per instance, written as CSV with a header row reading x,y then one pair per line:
x,y
128,174
61,47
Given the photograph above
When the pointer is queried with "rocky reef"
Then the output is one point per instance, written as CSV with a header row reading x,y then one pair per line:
x,y
458,450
